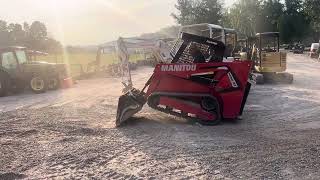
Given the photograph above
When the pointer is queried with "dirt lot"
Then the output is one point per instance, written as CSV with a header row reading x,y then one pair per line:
x,y
70,134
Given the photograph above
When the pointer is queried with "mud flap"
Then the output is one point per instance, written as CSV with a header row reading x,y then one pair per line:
x,y
128,105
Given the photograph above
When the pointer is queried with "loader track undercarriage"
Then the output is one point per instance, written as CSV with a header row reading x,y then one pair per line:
x,y
207,107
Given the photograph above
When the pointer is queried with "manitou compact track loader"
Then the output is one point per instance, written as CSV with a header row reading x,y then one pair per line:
x,y
206,92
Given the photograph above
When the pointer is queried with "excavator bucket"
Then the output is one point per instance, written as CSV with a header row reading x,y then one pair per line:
x,y
128,105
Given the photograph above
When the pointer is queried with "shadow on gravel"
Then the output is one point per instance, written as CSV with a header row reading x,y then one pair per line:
x,y
29,99
12,175
176,145
171,121
134,121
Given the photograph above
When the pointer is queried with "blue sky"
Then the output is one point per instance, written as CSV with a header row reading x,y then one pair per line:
x,y
80,22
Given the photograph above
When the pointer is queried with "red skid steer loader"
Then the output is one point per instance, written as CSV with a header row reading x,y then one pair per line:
x,y
206,92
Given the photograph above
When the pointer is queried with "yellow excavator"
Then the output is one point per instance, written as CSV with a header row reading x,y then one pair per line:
x,y
270,64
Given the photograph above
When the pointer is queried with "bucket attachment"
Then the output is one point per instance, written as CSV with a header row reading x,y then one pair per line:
x,y
128,105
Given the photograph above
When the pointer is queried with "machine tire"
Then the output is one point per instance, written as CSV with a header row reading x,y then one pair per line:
x,y
38,84
53,83
18,87
212,106
4,85
259,79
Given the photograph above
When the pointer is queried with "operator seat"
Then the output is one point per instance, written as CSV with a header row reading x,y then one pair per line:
x,y
196,54
217,53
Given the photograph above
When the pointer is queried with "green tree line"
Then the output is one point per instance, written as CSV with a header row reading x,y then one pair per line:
x,y
34,36
296,20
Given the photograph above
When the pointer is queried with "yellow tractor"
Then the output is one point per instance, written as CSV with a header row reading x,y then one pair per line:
x,y
269,63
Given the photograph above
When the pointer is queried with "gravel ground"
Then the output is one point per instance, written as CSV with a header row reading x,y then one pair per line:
x,y
70,134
